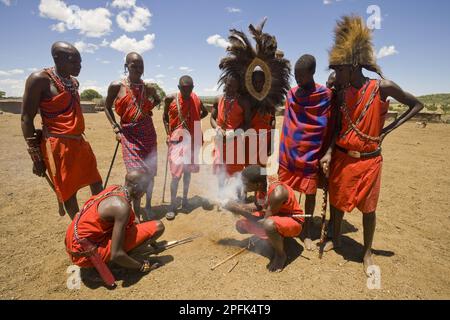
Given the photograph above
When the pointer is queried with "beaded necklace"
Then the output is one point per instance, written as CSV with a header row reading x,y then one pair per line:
x,y
137,104
226,110
63,84
353,125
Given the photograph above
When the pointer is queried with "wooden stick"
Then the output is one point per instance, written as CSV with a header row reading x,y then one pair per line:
x,y
61,210
165,176
234,265
229,258
323,234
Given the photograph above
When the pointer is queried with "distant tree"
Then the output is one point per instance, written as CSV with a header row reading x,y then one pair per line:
x,y
89,95
159,90
2,94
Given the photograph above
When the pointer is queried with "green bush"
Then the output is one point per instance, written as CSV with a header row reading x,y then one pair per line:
x,y
89,95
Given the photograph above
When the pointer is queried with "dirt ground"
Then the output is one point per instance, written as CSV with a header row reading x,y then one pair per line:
x,y
411,241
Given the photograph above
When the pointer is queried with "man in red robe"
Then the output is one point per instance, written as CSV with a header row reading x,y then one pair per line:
x,y
228,116
108,221
304,136
354,158
182,114
279,217
62,151
136,132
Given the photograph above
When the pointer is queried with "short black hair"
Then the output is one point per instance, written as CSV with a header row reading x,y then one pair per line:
x,y
306,62
253,174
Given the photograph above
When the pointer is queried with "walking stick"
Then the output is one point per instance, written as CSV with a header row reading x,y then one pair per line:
x,y
112,163
61,210
323,234
165,176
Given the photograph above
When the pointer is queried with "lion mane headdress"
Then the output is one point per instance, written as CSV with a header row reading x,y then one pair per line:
x,y
242,59
353,45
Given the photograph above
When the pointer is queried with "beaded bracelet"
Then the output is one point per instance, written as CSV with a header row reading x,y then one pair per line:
x,y
145,267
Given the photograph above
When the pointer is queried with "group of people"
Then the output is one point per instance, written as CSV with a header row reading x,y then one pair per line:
x,y
330,138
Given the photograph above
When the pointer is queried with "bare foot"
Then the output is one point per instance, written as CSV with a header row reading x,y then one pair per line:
x,y
331,245
308,244
368,261
277,263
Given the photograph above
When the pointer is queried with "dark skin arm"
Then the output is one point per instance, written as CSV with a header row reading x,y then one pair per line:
x,y
204,112
152,93
38,87
326,159
248,114
167,101
391,89
276,200
214,114
113,92
118,210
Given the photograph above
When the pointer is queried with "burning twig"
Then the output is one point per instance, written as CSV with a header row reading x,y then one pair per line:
x,y
175,243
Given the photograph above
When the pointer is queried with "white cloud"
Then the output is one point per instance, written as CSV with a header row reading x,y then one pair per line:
x,y
104,43
32,69
386,51
126,45
171,68
214,89
85,47
233,10
136,21
326,2
12,87
187,69
92,22
59,27
123,4
158,66
160,76
6,2
12,72
218,41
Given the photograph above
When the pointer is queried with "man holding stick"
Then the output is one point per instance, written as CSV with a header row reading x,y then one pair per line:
x,y
354,158
280,217
108,221
182,113
60,147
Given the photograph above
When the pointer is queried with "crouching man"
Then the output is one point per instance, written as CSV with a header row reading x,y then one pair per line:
x,y
108,222
279,217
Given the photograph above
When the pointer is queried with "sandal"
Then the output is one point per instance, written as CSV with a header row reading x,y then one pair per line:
x,y
170,215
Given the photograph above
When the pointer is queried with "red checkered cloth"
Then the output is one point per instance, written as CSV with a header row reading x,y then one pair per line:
x,y
139,145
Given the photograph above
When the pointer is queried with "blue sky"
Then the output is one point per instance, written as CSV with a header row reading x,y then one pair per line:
x,y
173,36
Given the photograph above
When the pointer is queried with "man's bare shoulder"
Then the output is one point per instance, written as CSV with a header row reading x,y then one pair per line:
x,y
38,78
116,84
114,206
169,98
280,193
386,84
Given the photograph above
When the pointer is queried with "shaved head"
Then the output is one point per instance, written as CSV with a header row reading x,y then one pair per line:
x,y
186,81
64,51
137,182
67,59
306,62
132,56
